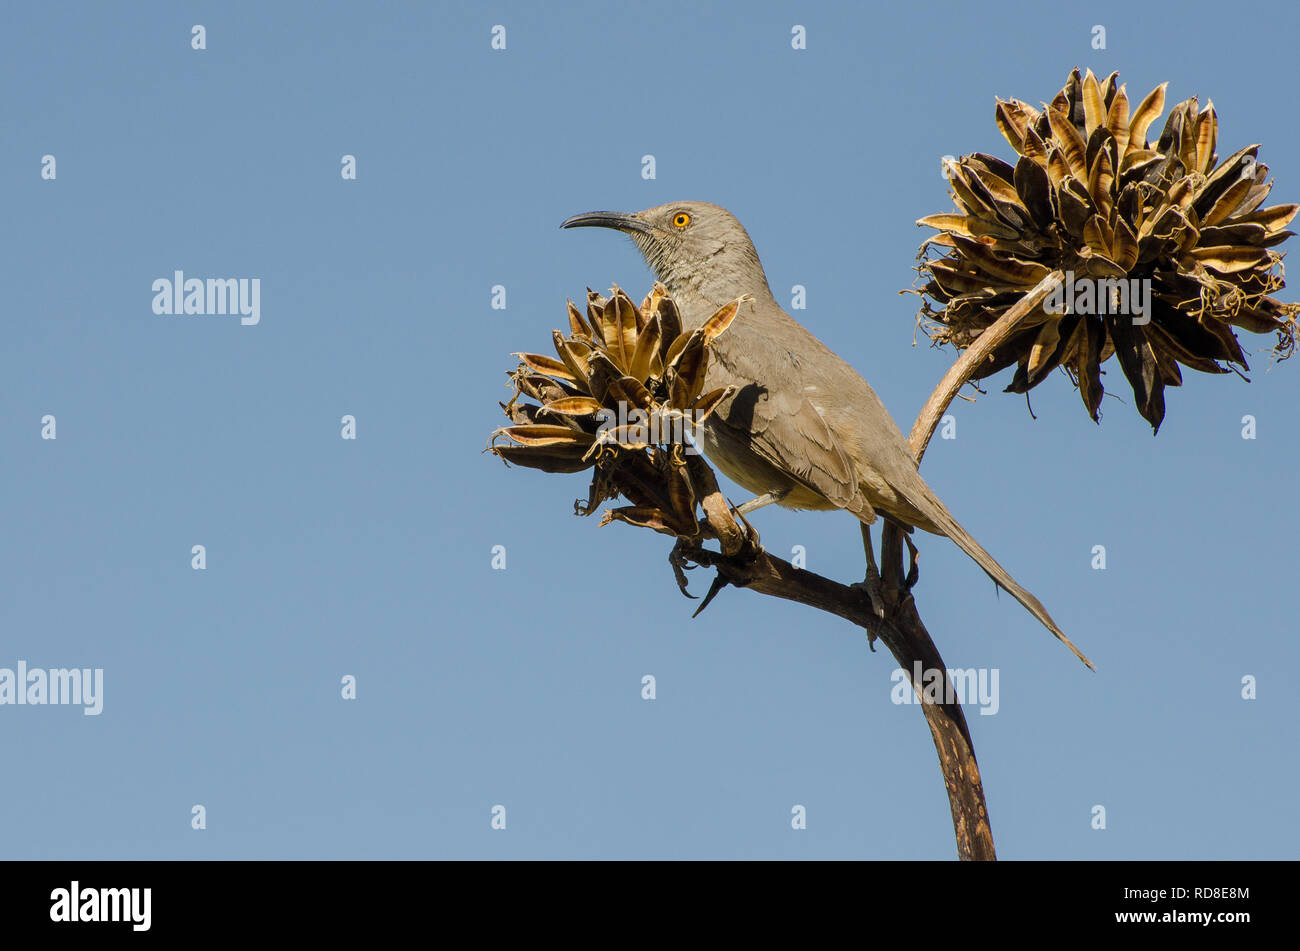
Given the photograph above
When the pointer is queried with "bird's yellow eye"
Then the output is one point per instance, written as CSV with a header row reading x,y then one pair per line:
x,y
681,219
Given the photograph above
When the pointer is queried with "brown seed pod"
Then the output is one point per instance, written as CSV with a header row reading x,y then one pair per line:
x,y
623,396
1166,250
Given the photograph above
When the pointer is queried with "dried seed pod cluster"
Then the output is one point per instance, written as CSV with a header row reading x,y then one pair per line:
x,y
1164,224
623,397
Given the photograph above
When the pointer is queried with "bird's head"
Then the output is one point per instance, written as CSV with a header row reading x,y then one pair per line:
x,y
694,247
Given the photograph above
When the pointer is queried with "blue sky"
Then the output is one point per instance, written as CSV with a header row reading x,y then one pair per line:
x,y
373,558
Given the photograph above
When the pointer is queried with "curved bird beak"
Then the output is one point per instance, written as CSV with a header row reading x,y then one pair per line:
x,y
608,219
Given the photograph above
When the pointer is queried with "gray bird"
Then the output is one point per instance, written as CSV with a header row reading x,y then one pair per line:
x,y
803,429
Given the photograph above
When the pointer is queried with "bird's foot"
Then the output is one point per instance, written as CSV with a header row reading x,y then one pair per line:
x,y
871,583
871,587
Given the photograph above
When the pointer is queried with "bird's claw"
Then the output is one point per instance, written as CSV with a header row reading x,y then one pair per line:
x,y
871,586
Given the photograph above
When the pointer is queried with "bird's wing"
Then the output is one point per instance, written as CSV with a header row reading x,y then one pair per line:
x,y
785,428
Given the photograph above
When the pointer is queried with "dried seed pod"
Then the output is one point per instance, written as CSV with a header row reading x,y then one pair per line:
x,y
624,398
1165,252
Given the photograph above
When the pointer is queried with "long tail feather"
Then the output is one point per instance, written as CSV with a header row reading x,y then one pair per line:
x,y
938,514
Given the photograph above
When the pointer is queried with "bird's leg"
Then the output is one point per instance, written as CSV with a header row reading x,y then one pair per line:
x,y
871,583
767,498
913,572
